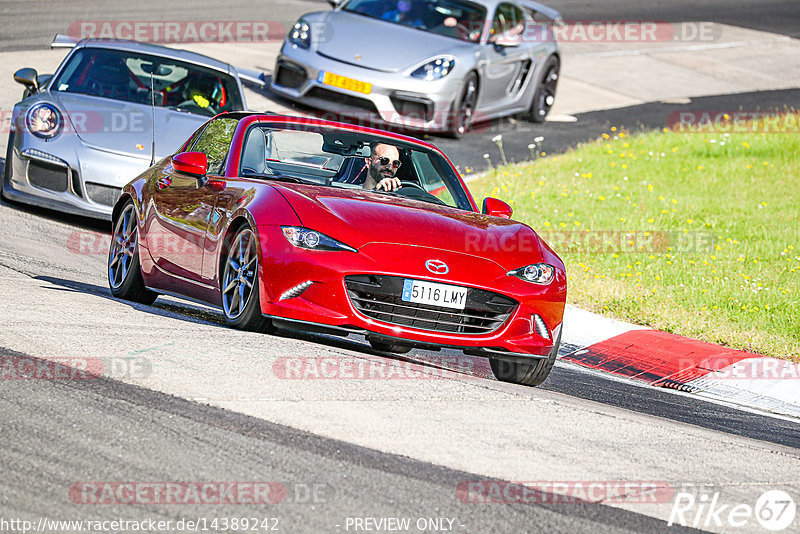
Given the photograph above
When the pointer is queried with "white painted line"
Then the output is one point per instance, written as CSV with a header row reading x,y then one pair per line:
x,y
561,118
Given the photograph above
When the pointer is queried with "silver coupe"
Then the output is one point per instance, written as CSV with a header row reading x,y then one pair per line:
x,y
82,133
432,65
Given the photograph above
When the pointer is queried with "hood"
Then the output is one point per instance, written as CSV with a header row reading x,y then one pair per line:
x,y
381,45
358,218
120,127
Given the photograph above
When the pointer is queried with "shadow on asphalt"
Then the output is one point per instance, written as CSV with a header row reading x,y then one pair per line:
x,y
200,315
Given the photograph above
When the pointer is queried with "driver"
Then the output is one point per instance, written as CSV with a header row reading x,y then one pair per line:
x,y
382,168
203,91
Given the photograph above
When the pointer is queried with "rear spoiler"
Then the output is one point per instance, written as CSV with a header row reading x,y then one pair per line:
x,y
252,76
542,9
64,41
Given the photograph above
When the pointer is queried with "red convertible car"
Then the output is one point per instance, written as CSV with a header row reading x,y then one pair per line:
x,y
277,221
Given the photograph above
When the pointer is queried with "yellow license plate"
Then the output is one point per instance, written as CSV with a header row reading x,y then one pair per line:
x,y
343,82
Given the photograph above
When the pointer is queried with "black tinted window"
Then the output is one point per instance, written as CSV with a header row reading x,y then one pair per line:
x,y
121,75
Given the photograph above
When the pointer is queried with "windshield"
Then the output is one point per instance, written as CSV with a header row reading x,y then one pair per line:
x,y
340,158
451,18
122,75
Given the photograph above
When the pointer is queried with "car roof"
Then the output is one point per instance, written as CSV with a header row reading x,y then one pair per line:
x,y
156,50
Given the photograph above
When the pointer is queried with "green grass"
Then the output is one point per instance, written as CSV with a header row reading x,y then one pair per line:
x,y
717,225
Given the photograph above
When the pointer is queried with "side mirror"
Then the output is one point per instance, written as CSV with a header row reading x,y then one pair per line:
x,y
28,78
496,208
192,163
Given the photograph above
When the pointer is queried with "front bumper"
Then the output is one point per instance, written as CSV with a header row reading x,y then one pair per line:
x,y
66,175
327,302
394,99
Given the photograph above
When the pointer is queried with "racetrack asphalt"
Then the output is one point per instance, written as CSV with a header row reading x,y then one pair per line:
x,y
65,432
31,24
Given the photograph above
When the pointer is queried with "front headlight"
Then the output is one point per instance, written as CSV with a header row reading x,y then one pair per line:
x,y
435,69
300,34
312,240
538,273
44,120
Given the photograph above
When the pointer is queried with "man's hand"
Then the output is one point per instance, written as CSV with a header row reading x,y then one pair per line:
x,y
388,184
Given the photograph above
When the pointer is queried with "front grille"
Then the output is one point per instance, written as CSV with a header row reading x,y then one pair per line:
x,y
378,297
341,98
47,176
290,76
103,194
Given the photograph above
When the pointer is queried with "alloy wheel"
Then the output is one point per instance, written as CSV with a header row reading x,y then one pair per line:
x,y
123,247
239,274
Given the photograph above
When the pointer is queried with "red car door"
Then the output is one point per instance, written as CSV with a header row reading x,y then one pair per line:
x,y
183,205
177,223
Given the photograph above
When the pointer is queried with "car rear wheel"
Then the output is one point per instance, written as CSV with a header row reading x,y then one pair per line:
x,y
464,108
239,284
384,346
124,275
545,95
527,374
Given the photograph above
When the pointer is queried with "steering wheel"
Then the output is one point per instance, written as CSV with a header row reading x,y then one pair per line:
x,y
414,186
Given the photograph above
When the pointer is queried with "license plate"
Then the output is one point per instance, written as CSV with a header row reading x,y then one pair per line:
x,y
343,82
434,294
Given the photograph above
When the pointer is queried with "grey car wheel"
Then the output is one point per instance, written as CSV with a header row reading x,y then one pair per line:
x,y
239,283
545,95
124,273
527,374
463,113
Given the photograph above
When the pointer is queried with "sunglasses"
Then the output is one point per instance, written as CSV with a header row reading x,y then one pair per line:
x,y
385,161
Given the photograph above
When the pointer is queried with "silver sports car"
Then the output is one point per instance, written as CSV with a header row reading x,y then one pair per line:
x,y
81,134
433,65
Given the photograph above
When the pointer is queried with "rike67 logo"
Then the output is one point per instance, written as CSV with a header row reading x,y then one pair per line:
x,y
774,510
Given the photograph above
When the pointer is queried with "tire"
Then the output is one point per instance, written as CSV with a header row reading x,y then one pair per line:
x,y
545,94
526,374
464,108
124,272
384,346
7,164
239,283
